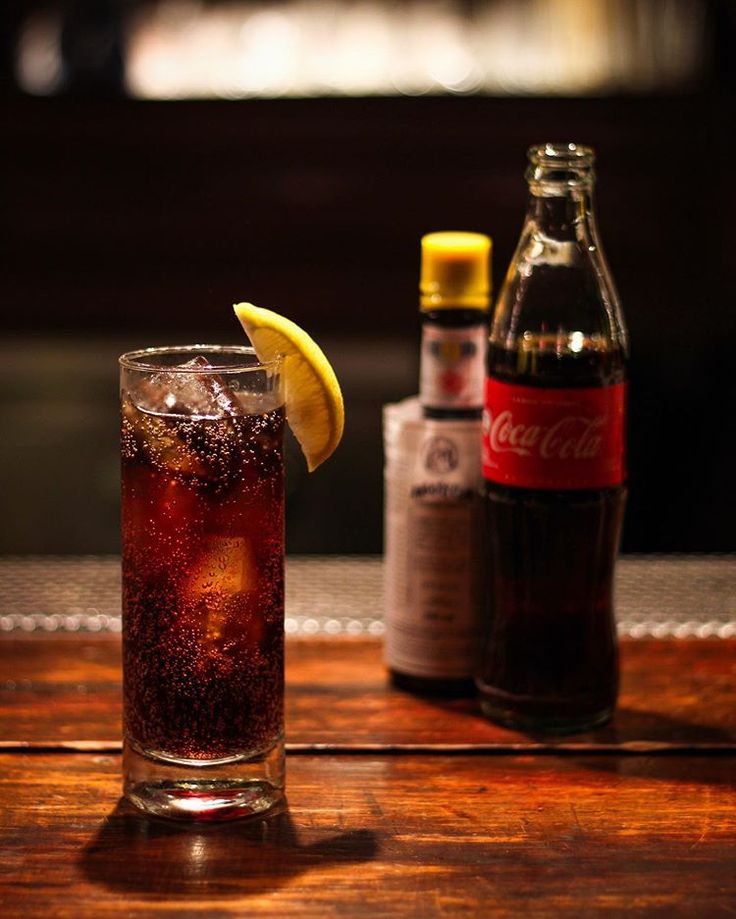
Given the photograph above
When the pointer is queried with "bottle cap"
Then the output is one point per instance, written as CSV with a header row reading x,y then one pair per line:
x,y
455,271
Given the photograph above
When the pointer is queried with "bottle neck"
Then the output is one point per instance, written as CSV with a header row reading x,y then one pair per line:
x,y
566,216
452,363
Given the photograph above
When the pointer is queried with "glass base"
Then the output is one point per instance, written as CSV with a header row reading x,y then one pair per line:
x,y
543,718
204,790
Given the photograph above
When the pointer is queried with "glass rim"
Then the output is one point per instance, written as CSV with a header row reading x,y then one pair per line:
x,y
577,155
145,359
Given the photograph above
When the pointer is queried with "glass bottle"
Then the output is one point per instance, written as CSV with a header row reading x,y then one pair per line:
x,y
553,462
433,583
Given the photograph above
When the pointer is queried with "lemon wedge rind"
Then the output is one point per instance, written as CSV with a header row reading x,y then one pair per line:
x,y
314,404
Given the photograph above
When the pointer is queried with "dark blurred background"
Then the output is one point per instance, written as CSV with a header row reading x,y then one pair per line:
x,y
163,160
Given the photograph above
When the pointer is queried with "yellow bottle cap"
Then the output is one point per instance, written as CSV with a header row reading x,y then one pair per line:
x,y
455,271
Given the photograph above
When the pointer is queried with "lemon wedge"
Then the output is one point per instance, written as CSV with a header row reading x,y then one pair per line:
x,y
314,405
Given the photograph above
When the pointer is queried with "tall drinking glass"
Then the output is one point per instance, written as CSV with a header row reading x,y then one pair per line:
x,y
203,568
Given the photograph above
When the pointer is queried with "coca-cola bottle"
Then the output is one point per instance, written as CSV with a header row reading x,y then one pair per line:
x,y
553,462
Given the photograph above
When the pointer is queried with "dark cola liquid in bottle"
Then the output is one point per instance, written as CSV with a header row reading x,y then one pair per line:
x,y
553,462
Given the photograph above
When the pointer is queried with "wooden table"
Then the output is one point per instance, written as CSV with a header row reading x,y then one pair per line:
x,y
397,806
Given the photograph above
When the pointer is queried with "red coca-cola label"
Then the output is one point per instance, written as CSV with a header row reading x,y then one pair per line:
x,y
565,438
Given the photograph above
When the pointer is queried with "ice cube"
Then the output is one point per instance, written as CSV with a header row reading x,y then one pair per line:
x,y
200,395
174,417
217,587
218,390
226,566
159,440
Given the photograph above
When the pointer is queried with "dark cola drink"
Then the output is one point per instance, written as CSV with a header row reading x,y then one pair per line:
x,y
203,562
553,463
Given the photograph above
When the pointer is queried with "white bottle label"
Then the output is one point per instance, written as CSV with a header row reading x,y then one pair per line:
x,y
432,544
452,366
